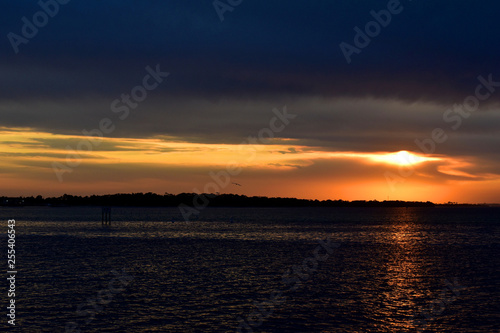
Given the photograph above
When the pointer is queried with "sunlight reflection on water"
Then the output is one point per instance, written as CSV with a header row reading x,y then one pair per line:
x,y
202,275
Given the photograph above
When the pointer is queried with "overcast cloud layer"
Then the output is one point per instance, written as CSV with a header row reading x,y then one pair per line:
x,y
430,51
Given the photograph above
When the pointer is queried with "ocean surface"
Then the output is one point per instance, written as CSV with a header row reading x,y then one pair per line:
x,y
255,270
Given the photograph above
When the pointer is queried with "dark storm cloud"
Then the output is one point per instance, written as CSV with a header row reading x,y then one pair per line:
x,y
431,50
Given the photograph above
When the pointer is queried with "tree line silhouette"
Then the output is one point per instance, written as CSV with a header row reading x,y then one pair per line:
x,y
214,200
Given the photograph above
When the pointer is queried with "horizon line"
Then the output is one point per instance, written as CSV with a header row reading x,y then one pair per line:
x,y
243,195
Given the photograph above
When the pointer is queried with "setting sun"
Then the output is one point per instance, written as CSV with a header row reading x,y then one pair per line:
x,y
403,158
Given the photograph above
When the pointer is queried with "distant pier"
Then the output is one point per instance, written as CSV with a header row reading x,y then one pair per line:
x,y
106,216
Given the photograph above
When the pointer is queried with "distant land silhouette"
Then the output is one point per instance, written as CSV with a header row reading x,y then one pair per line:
x,y
215,200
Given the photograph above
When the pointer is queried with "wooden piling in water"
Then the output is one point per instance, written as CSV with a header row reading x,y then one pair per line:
x,y
106,216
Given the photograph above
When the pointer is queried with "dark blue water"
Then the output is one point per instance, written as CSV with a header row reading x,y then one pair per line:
x,y
381,270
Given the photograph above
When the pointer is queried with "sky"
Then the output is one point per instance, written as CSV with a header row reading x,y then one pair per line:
x,y
352,100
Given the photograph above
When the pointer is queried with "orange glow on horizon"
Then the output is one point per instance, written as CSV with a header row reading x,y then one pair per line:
x,y
282,167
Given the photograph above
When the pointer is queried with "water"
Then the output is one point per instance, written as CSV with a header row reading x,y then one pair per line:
x,y
205,275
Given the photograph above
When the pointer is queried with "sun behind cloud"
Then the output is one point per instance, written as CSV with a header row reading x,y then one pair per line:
x,y
403,158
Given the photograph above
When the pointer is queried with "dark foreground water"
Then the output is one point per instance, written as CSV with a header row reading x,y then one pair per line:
x,y
261,270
